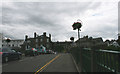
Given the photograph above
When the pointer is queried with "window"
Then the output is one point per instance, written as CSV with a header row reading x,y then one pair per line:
x,y
41,40
36,40
28,41
18,45
27,47
36,45
13,45
47,46
47,40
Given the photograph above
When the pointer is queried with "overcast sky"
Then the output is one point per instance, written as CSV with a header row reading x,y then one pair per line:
x,y
99,19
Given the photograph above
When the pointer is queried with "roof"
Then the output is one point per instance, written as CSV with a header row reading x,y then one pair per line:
x,y
63,42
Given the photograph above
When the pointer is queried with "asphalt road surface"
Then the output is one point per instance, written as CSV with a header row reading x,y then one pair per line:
x,y
42,63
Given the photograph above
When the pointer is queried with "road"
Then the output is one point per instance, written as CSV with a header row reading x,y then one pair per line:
x,y
42,63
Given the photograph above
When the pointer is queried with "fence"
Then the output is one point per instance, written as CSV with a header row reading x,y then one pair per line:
x,y
94,60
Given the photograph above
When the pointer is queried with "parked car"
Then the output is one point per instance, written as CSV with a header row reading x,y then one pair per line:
x,y
47,52
50,52
9,54
41,50
31,52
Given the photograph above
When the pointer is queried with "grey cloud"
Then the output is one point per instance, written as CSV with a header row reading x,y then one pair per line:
x,y
119,17
26,18
42,12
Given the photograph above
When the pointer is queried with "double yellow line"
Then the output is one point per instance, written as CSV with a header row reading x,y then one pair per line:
x,y
47,64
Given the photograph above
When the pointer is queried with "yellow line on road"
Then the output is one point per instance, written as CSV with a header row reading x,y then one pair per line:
x,y
47,64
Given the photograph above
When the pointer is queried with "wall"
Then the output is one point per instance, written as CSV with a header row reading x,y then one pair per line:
x,y
0,40
13,43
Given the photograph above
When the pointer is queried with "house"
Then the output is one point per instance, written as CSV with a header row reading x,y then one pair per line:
x,y
112,42
13,43
115,44
37,41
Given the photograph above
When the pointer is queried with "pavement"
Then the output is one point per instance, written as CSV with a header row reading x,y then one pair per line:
x,y
42,63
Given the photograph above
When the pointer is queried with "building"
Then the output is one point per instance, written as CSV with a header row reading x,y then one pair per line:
x,y
112,43
88,42
37,41
13,43
1,36
62,46
118,40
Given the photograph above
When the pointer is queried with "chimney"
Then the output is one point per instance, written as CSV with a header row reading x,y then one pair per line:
x,y
50,36
26,37
35,35
118,37
44,34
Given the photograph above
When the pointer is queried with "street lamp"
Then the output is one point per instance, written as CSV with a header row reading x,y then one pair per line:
x,y
77,25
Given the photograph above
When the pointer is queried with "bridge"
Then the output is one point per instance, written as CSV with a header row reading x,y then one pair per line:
x,y
96,60
76,61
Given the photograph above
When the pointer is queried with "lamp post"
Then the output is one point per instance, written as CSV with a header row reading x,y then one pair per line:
x,y
77,25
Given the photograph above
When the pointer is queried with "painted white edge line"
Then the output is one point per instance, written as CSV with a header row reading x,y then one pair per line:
x,y
75,63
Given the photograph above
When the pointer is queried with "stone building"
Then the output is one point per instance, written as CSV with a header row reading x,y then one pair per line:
x,y
37,41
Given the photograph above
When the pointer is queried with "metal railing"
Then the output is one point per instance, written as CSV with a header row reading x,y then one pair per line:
x,y
94,60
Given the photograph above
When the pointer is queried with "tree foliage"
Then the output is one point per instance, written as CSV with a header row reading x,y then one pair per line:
x,y
76,25
72,38
8,40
